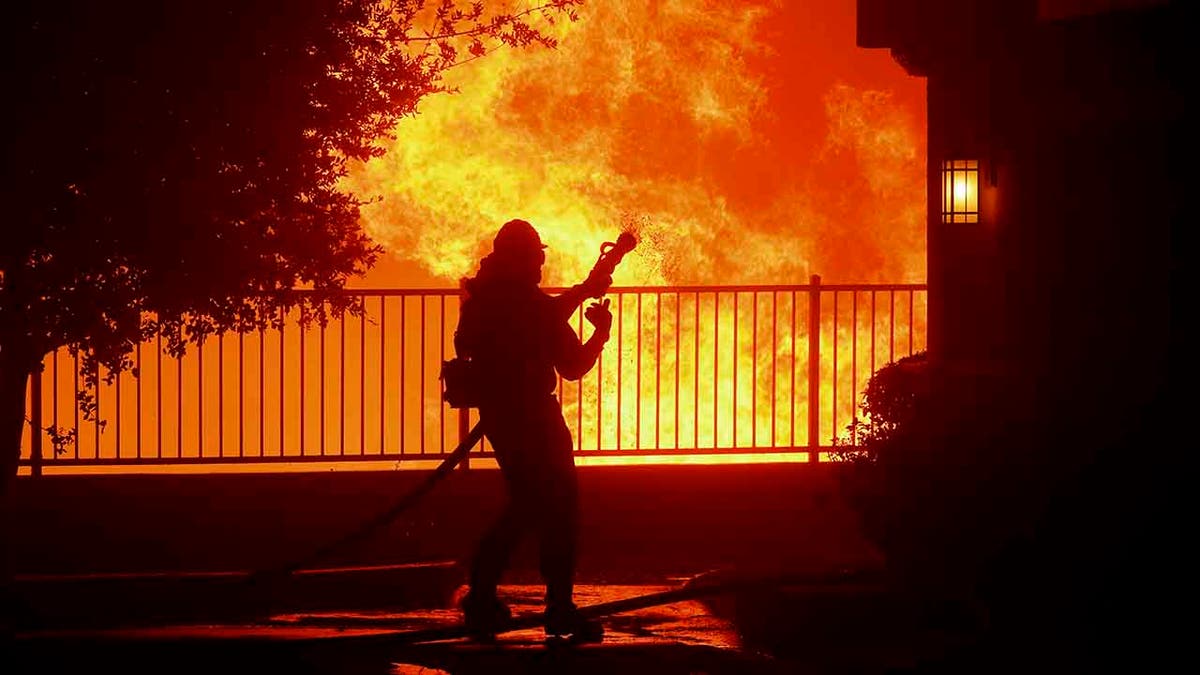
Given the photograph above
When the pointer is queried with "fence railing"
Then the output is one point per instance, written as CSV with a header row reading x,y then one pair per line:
x,y
688,370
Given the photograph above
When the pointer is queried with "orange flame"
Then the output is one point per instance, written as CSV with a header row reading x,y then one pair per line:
x,y
663,115
746,142
657,113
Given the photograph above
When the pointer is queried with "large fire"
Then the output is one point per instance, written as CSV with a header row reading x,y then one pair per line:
x,y
684,119
700,122
747,142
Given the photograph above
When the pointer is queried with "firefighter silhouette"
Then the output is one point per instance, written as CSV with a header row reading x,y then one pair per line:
x,y
517,337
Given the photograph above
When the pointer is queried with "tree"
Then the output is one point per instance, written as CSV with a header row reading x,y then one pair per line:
x,y
172,169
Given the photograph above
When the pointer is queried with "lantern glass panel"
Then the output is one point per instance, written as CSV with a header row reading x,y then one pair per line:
x,y
960,191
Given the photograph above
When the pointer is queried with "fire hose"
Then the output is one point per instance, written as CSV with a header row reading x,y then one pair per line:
x,y
611,254
452,460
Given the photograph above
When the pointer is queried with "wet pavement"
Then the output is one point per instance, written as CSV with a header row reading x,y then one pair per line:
x,y
683,637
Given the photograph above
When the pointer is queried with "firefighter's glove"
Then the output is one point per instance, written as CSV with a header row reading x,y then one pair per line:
x,y
599,316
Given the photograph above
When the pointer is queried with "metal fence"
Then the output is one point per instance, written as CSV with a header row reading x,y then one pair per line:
x,y
689,370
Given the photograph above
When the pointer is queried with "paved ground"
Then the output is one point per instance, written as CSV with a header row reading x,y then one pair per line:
x,y
825,627
680,638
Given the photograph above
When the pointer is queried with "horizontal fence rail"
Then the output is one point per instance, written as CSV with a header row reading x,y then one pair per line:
x,y
688,370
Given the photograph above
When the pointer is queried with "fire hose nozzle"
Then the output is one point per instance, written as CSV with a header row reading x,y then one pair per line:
x,y
611,253
600,278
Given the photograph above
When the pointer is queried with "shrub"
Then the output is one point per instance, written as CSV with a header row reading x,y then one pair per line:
x,y
890,404
911,475
888,472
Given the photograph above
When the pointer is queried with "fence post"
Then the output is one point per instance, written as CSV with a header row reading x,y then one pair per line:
x,y
814,367
35,421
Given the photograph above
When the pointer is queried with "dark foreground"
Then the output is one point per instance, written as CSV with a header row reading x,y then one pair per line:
x,y
685,637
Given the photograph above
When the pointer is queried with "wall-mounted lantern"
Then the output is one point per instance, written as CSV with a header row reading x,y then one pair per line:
x,y
960,191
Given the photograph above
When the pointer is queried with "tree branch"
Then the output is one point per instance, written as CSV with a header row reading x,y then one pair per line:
x,y
479,28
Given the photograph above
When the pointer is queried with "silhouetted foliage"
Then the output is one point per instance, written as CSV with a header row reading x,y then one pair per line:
x,y
173,169
882,449
889,403
901,473
950,486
